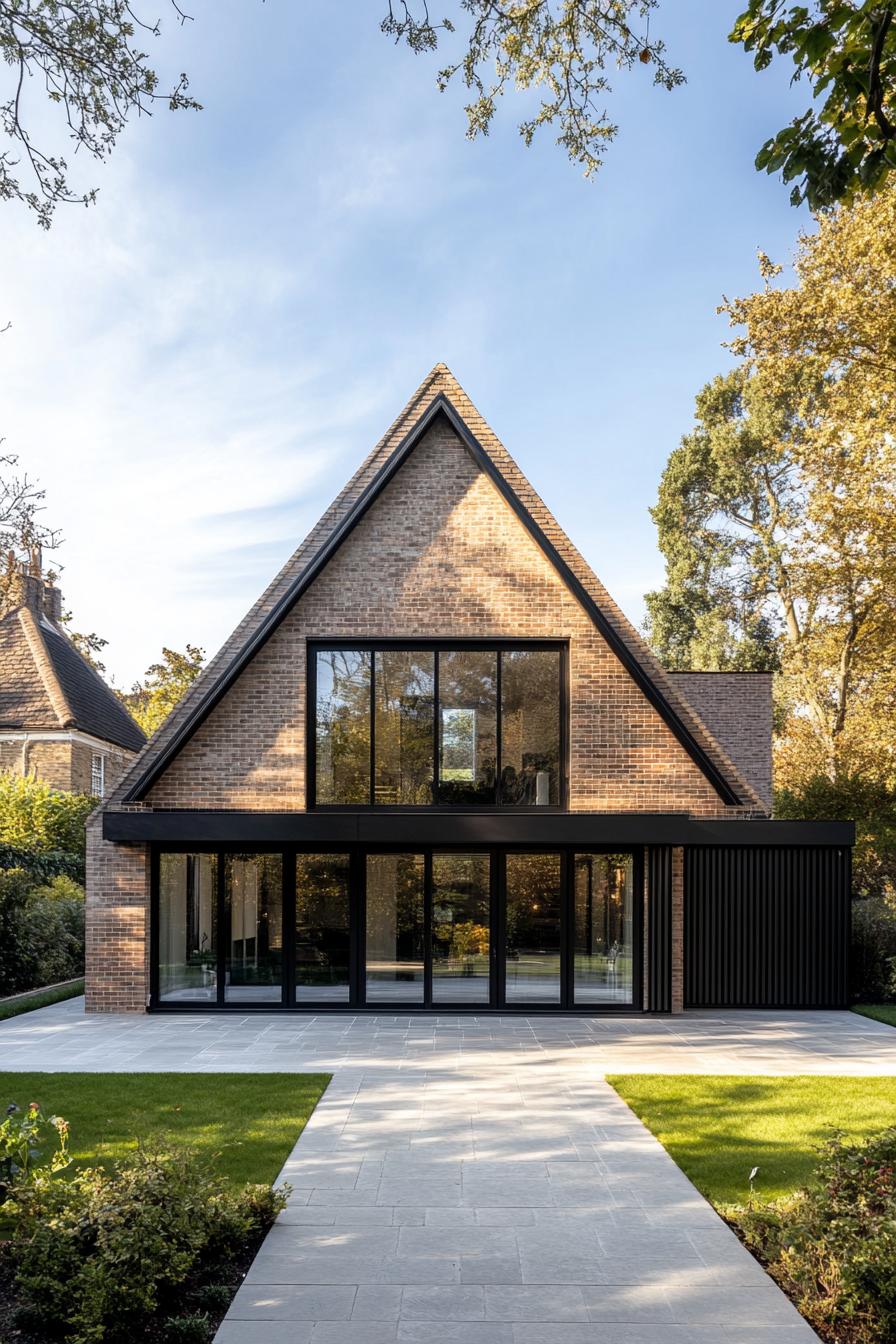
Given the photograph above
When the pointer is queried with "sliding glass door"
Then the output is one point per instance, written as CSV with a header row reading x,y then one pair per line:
x,y
416,928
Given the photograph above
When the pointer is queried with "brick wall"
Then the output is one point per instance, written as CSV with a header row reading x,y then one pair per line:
x,y
117,953
737,709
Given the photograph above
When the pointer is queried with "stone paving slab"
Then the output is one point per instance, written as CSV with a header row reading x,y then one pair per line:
x,y
474,1180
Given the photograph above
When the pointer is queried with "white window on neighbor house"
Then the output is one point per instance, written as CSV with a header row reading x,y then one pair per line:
x,y
98,775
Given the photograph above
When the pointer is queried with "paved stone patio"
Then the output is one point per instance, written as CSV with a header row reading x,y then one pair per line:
x,y
475,1181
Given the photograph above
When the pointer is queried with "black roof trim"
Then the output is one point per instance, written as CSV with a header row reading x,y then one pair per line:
x,y
440,406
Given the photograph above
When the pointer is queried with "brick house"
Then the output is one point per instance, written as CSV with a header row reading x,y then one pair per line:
x,y
59,720
435,767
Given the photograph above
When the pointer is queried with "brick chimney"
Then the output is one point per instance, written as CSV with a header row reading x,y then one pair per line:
x,y
30,588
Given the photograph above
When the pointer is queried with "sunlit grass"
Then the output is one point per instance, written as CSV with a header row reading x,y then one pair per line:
x,y
718,1128
881,1012
244,1124
39,998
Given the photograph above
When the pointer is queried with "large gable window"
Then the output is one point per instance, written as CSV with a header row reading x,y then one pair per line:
x,y
449,724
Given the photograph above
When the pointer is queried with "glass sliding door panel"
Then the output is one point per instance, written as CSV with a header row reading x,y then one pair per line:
x,y
404,728
603,952
342,746
322,928
253,897
530,727
394,947
467,726
461,940
532,928
188,928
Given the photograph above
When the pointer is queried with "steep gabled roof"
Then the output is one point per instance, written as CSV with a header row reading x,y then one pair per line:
x,y
440,395
45,683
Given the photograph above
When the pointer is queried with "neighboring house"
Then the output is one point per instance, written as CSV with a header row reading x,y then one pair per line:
x,y
435,767
59,720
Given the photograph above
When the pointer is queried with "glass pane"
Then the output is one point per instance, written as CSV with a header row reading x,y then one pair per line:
x,y
530,727
404,727
468,681
533,928
604,928
188,927
253,894
394,928
322,928
460,928
342,756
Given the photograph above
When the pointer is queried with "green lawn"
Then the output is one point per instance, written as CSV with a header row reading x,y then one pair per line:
x,y
39,998
246,1124
881,1012
718,1128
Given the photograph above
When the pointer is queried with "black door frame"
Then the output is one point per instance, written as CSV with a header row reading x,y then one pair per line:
x,y
356,1002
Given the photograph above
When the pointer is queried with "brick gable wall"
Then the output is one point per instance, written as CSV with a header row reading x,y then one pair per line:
x,y
439,554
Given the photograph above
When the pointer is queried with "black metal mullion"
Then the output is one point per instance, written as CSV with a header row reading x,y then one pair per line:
x,y
372,794
427,928
223,926
499,715
436,725
288,897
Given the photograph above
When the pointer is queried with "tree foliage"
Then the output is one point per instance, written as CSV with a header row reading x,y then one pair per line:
x,y
561,49
35,817
164,685
86,58
845,142
778,513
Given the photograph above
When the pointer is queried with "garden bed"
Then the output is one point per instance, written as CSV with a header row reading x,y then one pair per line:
x,y
148,1233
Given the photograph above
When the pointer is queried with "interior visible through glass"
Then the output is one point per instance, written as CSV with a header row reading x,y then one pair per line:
x,y
603,950
188,927
530,727
322,928
394,928
461,938
468,716
404,734
342,755
253,895
532,928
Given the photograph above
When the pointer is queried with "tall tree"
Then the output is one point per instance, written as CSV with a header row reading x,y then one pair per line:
x,y
779,510
164,685
85,57
23,531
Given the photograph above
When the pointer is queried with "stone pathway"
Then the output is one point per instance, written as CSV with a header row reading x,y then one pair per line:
x,y
474,1180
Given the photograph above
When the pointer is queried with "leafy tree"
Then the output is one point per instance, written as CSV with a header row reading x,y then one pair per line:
x,y
36,817
846,143
564,48
151,700
85,56
777,515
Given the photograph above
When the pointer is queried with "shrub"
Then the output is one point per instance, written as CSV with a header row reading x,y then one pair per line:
x,y
873,947
103,1258
44,865
41,931
33,816
833,1248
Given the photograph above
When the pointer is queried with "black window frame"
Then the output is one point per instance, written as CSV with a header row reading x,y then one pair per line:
x,y
316,645
357,1003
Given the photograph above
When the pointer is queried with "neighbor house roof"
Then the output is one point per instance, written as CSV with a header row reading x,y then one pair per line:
x,y
45,683
439,395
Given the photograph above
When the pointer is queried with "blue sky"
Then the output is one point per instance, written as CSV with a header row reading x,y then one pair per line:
x,y
198,362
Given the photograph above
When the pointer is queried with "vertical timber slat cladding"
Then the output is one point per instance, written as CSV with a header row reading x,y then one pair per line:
x,y
659,929
766,927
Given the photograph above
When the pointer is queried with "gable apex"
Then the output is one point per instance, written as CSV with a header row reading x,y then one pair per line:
x,y
439,397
